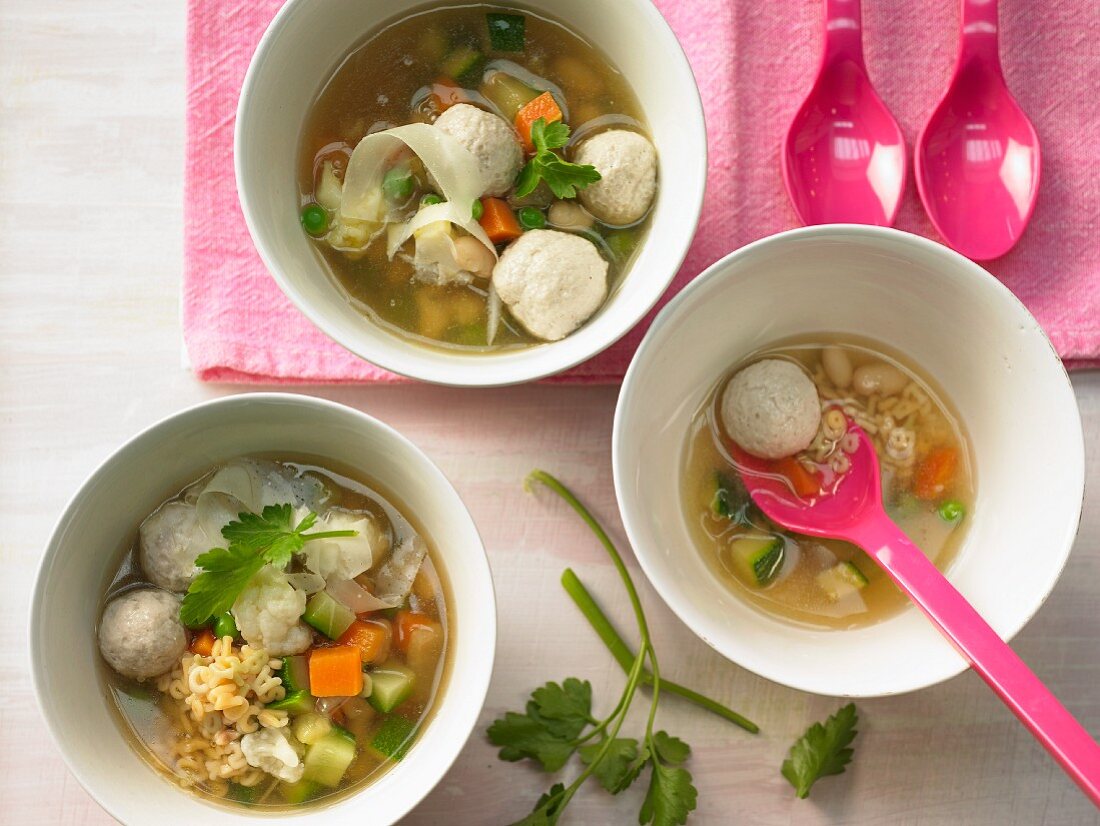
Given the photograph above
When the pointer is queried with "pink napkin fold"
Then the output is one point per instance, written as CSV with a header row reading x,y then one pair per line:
x,y
754,64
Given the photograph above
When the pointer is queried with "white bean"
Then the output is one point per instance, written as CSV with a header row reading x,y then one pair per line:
x,y
473,256
838,367
568,215
878,378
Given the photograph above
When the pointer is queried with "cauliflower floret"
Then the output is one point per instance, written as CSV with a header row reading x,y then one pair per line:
x,y
345,557
267,614
270,749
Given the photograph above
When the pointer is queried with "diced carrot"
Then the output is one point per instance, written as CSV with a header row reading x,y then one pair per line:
x,y
446,93
545,107
498,221
336,671
805,483
371,638
405,623
936,473
203,643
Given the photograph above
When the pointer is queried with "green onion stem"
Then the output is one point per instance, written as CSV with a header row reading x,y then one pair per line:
x,y
623,655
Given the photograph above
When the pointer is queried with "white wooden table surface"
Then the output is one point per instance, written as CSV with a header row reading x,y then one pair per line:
x,y
91,154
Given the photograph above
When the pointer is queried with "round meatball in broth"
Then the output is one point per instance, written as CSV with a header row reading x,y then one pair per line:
x,y
551,281
627,164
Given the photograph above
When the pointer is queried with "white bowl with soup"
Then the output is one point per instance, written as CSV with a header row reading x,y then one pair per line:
x,y
339,682
386,165
967,403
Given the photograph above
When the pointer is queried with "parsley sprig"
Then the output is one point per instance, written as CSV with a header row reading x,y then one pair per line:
x,y
824,749
563,177
269,538
553,725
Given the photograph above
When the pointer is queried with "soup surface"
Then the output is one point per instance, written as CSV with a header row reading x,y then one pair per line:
x,y
412,71
928,487
327,680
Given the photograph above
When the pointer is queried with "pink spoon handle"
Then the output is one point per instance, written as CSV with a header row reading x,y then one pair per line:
x,y
990,656
978,30
843,31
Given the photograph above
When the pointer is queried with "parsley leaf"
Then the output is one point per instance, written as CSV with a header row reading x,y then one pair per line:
x,y
671,749
226,571
564,709
563,178
254,541
527,735
670,797
547,809
616,770
269,533
822,750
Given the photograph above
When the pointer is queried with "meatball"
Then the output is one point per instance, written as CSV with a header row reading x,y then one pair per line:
x,y
771,409
140,633
551,281
627,164
491,140
169,541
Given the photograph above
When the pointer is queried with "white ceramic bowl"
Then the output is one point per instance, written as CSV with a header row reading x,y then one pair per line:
x,y
102,517
952,318
300,50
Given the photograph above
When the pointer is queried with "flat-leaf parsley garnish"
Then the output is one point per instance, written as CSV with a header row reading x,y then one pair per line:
x,y
254,541
563,178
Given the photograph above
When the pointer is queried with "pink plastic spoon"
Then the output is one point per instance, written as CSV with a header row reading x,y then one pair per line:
x,y
977,158
851,509
844,155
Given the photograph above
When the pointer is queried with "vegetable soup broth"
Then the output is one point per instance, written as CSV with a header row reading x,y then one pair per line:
x,y
384,82
153,718
800,590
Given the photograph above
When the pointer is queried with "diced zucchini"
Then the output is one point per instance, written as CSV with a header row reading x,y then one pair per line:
x,y
393,738
328,758
295,702
720,504
464,64
510,94
841,580
757,558
390,687
311,727
507,32
299,792
327,615
243,794
295,673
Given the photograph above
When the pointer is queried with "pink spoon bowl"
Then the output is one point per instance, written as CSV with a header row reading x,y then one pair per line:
x,y
977,159
843,157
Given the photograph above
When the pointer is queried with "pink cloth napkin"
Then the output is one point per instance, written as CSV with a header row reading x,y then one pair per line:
x,y
753,63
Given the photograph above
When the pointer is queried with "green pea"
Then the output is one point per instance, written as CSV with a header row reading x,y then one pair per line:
x,y
398,184
315,219
225,627
478,210
431,199
952,510
531,218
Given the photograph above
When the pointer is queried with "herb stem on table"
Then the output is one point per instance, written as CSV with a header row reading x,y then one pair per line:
x,y
625,657
551,730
